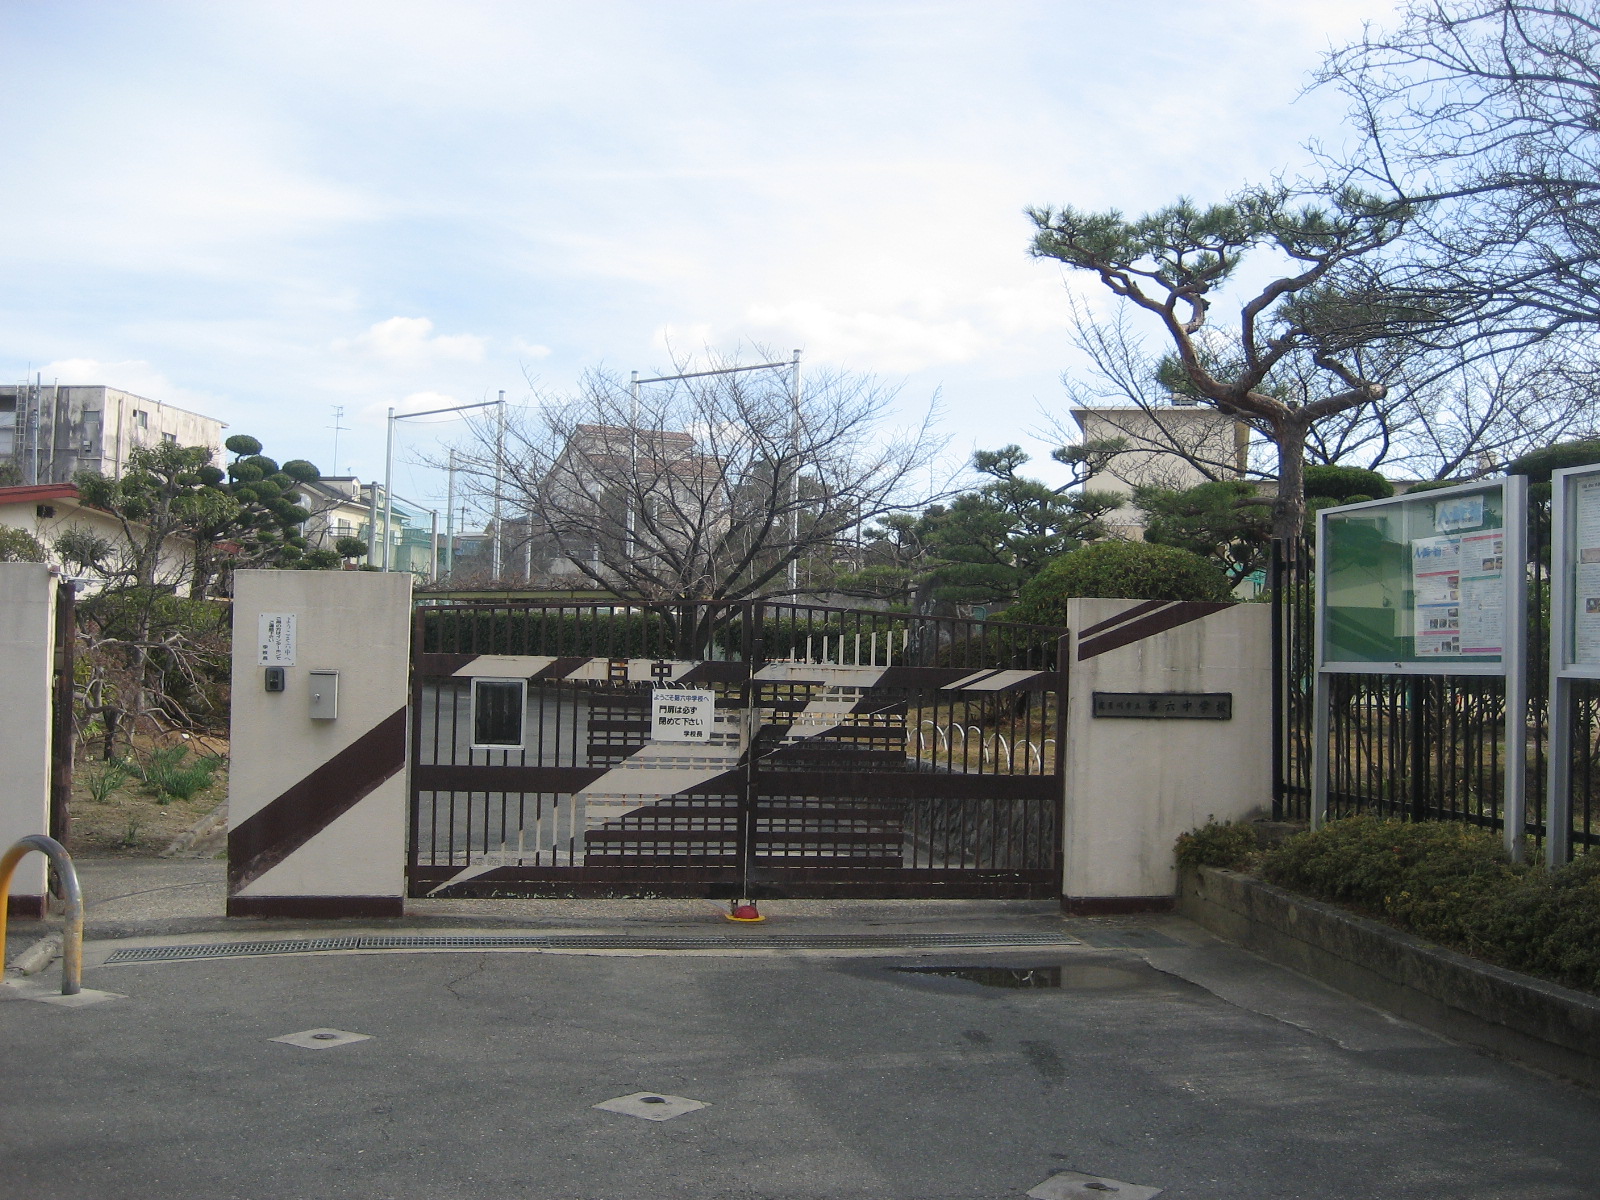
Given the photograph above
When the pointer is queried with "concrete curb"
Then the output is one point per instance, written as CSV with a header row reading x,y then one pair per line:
x,y
1515,1016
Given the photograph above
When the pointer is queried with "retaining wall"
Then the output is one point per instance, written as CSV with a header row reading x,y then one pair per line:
x,y
1541,1024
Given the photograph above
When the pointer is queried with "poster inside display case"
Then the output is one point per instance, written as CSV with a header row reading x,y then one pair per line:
x,y
1576,567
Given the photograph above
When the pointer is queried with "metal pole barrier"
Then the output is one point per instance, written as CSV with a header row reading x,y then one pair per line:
x,y
72,936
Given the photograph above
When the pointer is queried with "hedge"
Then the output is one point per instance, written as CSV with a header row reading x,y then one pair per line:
x,y
1448,882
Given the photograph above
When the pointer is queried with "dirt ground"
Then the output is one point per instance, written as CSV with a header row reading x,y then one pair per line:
x,y
134,820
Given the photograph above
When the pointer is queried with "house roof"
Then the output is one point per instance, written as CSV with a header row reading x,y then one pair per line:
x,y
38,493
659,435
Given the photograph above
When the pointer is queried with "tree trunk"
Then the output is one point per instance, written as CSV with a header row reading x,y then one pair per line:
x,y
1289,510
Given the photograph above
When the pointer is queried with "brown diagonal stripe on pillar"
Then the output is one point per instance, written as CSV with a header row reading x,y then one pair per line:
x,y
268,836
1180,613
1127,614
562,667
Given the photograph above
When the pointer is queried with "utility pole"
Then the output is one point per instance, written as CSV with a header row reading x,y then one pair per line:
x,y
372,525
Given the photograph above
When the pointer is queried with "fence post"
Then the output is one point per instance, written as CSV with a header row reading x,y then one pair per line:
x,y
63,731
1280,716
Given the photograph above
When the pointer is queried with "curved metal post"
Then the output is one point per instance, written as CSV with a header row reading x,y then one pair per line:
x,y
72,936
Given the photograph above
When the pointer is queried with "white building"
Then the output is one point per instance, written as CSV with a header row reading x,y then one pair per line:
x,y
46,511
1177,446
50,433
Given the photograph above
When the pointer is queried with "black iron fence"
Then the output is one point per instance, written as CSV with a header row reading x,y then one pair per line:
x,y
851,752
1425,746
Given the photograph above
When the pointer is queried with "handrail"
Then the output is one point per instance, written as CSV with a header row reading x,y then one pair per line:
x,y
72,936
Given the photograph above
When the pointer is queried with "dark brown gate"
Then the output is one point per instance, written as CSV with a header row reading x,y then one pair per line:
x,y
852,753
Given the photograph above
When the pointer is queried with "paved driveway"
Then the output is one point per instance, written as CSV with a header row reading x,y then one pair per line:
x,y
1186,1065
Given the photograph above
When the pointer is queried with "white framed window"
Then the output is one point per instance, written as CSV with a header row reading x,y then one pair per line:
x,y
497,713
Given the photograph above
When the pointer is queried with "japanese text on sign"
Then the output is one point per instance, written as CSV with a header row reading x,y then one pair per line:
x,y
677,715
1193,706
276,639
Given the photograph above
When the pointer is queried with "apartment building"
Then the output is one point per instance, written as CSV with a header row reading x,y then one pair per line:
x,y
52,432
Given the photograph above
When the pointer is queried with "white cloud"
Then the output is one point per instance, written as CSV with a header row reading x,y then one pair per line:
x,y
129,375
526,349
884,341
410,342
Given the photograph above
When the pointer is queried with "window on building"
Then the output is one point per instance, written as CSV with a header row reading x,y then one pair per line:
x,y
141,419
170,437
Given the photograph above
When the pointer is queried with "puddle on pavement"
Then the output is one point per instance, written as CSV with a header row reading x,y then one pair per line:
x,y
1023,978
999,977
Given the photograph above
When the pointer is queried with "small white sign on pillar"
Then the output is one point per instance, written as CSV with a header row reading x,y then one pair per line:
x,y
682,715
276,637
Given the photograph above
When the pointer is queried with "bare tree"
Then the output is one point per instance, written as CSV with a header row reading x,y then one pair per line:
x,y
1489,112
700,489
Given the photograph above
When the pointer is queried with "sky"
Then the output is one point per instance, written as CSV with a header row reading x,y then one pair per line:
x,y
264,210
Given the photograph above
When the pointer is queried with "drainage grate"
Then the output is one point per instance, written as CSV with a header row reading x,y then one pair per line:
x,y
840,941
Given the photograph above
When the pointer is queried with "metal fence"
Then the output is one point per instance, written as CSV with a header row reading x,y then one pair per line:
x,y
854,752
1424,747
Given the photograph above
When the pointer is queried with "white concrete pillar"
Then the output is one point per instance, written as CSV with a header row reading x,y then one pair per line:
x,y
317,789
1134,783
27,655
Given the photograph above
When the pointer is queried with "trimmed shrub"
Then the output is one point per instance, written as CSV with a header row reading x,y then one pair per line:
x,y
1452,883
1120,570
1346,485
1226,844
1538,464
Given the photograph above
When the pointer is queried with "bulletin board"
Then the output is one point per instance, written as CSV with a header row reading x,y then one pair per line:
x,y
1426,584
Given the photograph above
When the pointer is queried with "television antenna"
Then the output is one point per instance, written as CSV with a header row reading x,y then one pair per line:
x,y
338,415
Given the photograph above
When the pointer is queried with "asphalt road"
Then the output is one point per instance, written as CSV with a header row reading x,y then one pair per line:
x,y
1192,1067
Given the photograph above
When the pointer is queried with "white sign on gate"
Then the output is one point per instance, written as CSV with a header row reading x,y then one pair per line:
x,y
681,716
276,638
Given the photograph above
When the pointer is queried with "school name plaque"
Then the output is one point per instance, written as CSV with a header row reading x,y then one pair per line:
x,y
1181,706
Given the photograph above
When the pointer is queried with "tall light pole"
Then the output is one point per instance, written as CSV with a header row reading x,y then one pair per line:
x,y
794,486
499,458
633,389
388,458
450,520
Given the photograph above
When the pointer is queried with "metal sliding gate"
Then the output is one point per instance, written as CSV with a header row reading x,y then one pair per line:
x,y
852,753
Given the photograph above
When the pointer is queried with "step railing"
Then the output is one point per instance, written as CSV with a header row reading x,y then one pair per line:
x,y
72,936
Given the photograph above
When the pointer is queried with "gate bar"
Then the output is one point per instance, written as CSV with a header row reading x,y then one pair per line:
x,y
72,936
